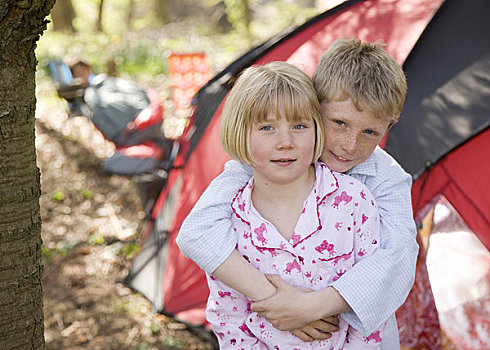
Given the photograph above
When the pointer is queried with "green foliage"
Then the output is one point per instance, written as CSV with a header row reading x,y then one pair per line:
x,y
96,239
57,196
155,328
133,305
47,255
285,14
62,249
172,342
238,14
144,346
138,43
87,194
128,250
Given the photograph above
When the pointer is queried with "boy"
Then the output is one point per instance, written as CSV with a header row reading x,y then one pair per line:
x,y
361,90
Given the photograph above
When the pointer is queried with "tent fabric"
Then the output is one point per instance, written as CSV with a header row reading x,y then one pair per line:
x,y
417,318
368,20
440,139
452,76
462,177
396,23
462,298
448,109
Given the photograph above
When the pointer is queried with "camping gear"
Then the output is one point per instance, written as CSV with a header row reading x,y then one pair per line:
x,y
129,117
441,140
125,114
188,72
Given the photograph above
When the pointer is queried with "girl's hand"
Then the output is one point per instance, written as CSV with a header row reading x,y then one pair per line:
x,y
317,330
292,308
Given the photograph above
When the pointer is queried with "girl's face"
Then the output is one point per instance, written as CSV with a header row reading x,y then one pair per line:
x,y
282,150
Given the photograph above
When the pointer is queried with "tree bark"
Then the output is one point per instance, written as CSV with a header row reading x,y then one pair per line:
x,y
21,298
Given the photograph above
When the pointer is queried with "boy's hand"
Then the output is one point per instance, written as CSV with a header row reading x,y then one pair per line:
x,y
292,308
317,330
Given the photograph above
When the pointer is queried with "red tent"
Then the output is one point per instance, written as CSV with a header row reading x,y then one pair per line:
x,y
440,140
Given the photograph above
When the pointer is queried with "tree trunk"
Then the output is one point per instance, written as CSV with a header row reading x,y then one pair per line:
x,y
21,297
129,16
63,15
162,10
99,18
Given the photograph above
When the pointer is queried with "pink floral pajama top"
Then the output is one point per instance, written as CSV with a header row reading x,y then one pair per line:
x,y
338,227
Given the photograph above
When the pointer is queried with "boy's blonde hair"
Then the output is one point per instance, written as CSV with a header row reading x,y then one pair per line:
x,y
276,87
363,72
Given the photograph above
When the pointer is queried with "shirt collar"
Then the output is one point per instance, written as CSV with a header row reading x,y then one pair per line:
x,y
368,167
308,223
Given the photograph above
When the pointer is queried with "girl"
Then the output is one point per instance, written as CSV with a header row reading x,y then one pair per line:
x,y
294,218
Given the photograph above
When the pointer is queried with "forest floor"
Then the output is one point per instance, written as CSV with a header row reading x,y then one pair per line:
x,y
92,224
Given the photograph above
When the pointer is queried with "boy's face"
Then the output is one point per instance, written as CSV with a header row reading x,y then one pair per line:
x,y
350,135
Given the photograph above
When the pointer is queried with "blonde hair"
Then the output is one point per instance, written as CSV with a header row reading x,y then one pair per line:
x,y
363,72
278,88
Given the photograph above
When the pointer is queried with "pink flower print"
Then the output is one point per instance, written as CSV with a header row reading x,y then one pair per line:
x,y
246,330
241,206
336,259
308,274
363,194
325,246
233,341
344,257
295,238
338,274
220,335
364,218
260,233
361,252
338,226
375,241
263,250
343,197
249,305
373,336
225,294
262,325
290,266
266,334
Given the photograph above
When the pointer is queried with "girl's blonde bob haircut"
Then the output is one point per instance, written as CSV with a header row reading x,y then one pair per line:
x,y
277,87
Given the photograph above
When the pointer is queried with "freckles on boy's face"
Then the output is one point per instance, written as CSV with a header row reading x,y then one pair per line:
x,y
350,135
